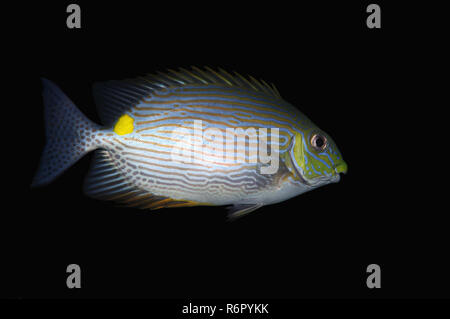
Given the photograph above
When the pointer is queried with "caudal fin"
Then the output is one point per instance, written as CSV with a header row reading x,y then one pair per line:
x,y
69,135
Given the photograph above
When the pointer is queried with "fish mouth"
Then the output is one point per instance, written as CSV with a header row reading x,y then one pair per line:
x,y
334,177
339,169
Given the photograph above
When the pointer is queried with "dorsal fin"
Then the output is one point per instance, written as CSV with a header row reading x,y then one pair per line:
x,y
114,98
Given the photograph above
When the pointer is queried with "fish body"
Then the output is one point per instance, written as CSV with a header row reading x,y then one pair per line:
x,y
187,138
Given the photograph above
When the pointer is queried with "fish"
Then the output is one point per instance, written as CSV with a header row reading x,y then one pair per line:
x,y
188,137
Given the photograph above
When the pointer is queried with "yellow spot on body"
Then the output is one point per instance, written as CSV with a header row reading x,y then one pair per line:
x,y
124,125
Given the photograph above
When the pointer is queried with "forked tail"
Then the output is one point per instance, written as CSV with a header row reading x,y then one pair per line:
x,y
69,135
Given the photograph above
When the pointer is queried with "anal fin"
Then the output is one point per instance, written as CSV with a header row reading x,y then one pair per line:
x,y
105,181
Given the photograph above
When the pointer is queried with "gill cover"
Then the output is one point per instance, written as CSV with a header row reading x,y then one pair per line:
x,y
297,154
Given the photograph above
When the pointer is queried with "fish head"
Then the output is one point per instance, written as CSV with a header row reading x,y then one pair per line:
x,y
316,158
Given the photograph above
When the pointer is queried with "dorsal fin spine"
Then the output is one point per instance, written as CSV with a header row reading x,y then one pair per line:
x,y
218,75
204,74
115,98
228,76
246,81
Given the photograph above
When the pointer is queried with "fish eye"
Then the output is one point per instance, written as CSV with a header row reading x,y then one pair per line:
x,y
319,142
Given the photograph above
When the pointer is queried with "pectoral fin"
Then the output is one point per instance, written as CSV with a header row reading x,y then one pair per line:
x,y
240,210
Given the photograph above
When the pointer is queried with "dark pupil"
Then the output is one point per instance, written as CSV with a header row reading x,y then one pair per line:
x,y
319,142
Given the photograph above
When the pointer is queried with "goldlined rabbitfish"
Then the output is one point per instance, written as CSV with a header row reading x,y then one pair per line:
x,y
188,138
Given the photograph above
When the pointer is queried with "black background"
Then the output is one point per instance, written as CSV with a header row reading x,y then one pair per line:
x,y
353,82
